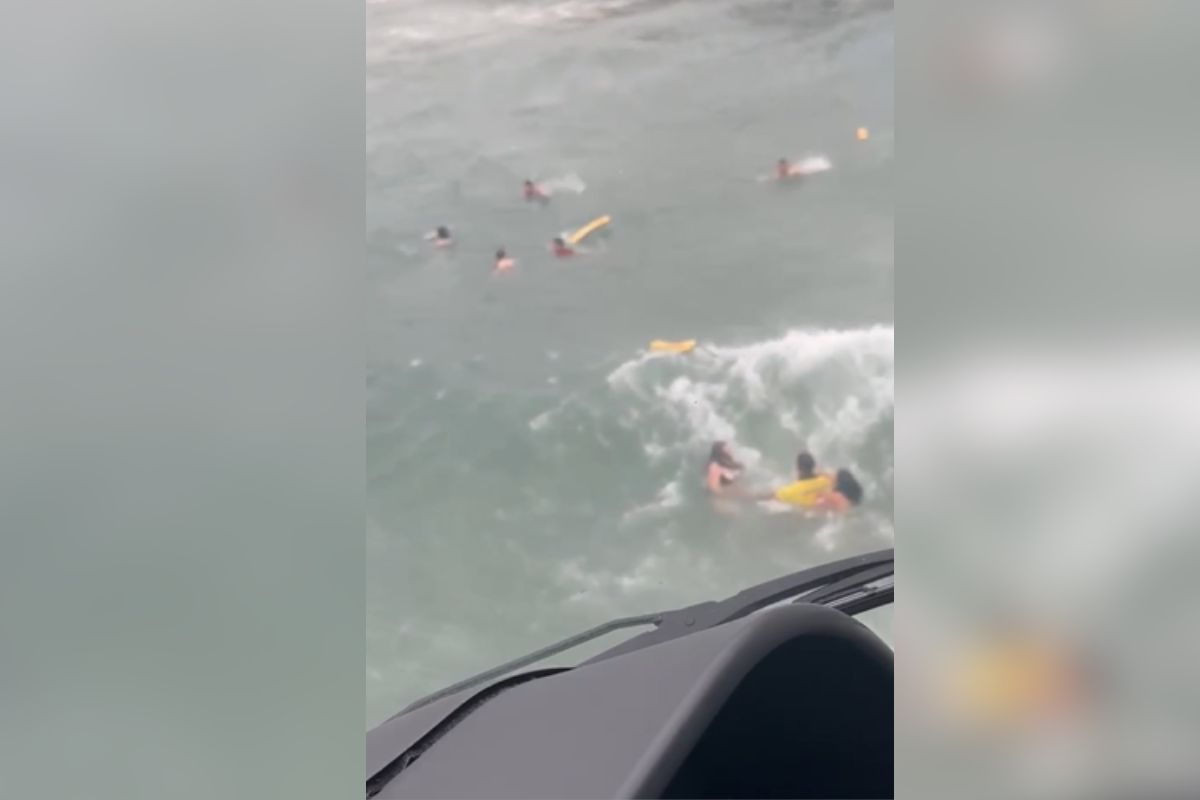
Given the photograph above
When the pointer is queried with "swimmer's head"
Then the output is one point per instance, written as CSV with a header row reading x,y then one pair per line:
x,y
848,486
558,242
528,184
720,454
806,465
501,254
443,232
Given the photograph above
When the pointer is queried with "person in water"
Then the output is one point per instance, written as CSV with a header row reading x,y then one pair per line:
x,y
441,237
807,489
846,493
534,192
722,470
783,170
560,248
504,261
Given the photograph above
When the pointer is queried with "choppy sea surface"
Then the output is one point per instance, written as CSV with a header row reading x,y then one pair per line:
x,y
531,470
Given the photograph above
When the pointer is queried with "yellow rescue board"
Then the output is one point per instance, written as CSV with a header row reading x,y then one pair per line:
x,y
587,230
660,346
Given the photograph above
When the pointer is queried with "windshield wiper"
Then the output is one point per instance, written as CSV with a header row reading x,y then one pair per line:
x,y
827,584
856,593
852,585
537,655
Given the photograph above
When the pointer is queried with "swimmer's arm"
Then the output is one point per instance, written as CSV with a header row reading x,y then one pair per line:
x,y
714,479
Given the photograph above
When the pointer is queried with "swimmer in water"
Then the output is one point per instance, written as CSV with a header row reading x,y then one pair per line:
x,y
846,492
504,261
440,237
560,248
721,471
808,487
534,192
785,170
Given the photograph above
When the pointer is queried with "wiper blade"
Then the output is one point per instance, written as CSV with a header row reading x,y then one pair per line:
x,y
823,585
839,584
536,656
866,583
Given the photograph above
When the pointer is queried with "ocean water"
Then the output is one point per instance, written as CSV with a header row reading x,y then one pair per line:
x,y
531,470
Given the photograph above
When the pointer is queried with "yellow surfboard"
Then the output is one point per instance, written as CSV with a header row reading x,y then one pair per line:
x,y
661,346
587,230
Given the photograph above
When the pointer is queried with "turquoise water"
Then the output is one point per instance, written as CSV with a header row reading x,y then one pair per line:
x,y
531,470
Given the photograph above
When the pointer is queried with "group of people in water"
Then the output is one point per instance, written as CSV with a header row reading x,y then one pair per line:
x,y
816,490
836,491
534,193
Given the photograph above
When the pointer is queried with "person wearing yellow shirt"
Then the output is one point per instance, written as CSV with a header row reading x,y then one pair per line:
x,y
809,487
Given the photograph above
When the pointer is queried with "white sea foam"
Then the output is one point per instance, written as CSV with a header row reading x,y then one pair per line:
x,y
570,182
669,496
607,586
812,165
541,420
406,28
826,390
653,450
